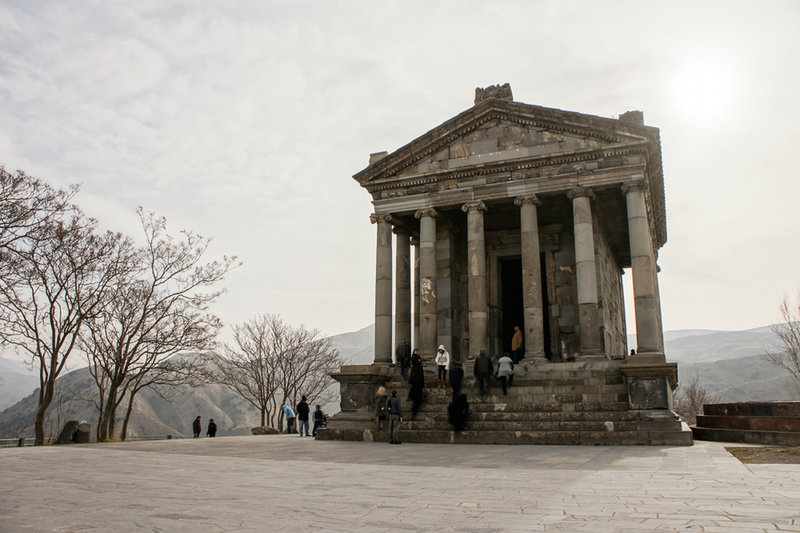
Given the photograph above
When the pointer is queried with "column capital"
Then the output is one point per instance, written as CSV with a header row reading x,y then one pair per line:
x,y
413,240
380,217
580,192
399,229
640,184
530,199
426,212
478,204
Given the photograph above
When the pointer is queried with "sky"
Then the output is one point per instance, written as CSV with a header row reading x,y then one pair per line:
x,y
245,120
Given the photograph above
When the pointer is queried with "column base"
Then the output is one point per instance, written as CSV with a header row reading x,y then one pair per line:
x,y
359,383
650,386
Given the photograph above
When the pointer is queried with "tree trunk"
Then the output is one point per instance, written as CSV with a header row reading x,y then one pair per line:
x,y
128,412
263,417
45,398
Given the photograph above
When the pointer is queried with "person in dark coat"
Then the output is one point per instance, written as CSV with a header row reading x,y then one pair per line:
x,y
458,412
417,381
319,420
483,371
212,428
302,417
456,377
197,427
395,411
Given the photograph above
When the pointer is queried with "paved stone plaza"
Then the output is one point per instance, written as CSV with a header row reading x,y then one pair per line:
x,y
288,483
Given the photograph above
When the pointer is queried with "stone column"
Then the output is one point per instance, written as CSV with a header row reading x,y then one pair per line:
x,y
427,282
643,268
415,244
586,272
402,287
533,312
476,271
383,289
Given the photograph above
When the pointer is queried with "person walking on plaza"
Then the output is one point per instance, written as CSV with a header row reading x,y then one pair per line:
x,y
197,427
380,407
456,377
212,428
505,371
395,411
442,365
290,418
302,417
417,381
319,420
483,369
517,353
403,357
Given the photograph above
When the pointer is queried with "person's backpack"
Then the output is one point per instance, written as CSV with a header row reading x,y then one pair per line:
x,y
484,365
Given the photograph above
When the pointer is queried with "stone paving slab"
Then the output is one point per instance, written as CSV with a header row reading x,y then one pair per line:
x,y
289,483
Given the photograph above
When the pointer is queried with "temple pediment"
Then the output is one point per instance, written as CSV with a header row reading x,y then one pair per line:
x,y
497,133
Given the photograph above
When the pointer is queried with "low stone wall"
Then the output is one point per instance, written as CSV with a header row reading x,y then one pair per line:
x,y
775,423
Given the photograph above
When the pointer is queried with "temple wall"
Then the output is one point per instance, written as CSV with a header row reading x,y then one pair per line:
x,y
612,303
452,301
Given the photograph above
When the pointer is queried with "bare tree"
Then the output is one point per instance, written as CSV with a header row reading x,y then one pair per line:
x,y
59,280
155,312
271,364
27,204
788,332
690,398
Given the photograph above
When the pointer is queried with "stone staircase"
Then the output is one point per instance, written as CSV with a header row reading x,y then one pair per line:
x,y
775,423
564,403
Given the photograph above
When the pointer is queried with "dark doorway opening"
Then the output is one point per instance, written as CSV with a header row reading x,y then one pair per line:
x,y
511,294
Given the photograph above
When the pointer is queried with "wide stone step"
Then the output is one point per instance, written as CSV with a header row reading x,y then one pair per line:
x,y
535,416
616,438
546,425
756,423
778,438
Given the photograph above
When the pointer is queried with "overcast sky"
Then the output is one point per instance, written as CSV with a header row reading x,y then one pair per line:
x,y
246,120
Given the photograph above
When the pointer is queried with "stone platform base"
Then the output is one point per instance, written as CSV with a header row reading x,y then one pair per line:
x,y
776,423
584,402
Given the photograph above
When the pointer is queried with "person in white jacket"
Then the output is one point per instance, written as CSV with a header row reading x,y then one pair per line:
x,y
505,371
442,360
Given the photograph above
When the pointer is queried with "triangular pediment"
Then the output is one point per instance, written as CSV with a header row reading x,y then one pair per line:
x,y
499,132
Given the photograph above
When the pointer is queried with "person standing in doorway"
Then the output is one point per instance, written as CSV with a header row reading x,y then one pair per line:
x,y
197,427
403,357
212,428
395,411
442,365
302,417
517,353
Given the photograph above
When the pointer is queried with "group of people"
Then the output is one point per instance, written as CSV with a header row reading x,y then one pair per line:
x,y
303,411
388,409
197,428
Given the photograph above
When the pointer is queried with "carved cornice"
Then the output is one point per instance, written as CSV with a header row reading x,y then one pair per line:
x,y
640,184
426,212
580,192
476,205
531,199
382,217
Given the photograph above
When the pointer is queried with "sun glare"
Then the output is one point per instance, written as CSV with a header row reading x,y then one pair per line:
x,y
703,87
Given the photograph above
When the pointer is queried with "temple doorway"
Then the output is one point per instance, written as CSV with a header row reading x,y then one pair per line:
x,y
511,299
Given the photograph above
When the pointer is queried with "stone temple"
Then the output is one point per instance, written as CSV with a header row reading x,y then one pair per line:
x,y
511,214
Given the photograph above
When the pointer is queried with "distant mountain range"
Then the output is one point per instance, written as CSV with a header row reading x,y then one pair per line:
x,y
729,364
